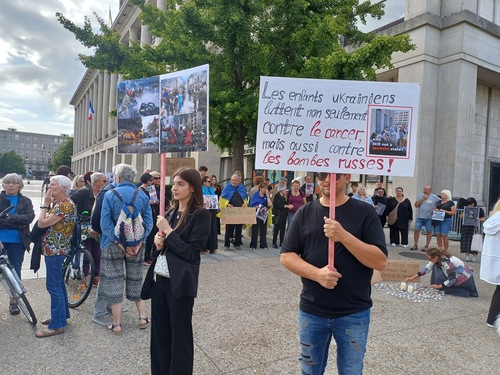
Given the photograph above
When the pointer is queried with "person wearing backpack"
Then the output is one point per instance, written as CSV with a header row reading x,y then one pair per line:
x,y
126,221
172,280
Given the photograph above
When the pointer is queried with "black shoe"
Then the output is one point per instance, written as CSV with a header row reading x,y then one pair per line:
x,y
14,309
275,246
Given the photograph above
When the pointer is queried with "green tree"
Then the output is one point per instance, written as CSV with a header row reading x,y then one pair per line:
x,y
243,40
63,154
10,162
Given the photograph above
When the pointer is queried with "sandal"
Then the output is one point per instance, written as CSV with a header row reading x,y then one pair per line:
x,y
46,322
146,324
414,247
115,328
47,333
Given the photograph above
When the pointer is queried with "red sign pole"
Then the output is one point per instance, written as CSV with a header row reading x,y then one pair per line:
x,y
163,171
331,244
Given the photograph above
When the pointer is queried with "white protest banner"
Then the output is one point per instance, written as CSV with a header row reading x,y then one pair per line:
x,y
359,127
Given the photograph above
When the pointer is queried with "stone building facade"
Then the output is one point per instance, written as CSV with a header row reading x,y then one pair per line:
x,y
456,61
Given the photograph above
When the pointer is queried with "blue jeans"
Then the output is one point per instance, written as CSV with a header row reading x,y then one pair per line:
x,y
443,227
54,282
15,252
350,333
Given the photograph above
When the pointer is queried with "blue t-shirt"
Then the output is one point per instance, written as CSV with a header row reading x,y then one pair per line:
x,y
426,208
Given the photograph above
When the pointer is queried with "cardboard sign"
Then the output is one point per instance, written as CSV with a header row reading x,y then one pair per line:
x,y
398,270
337,126
173,164
238,215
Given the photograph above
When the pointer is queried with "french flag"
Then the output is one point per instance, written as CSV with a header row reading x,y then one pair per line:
x,y
91,110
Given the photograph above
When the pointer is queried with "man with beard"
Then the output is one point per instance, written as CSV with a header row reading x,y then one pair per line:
x,y
334,302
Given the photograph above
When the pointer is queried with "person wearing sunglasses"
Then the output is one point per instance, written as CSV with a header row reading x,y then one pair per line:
x,y
334,303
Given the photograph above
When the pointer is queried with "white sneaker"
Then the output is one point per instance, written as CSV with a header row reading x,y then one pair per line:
x,y
405,246
474,258
467,258
393,244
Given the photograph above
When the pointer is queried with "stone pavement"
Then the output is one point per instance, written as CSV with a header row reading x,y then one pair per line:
x,y
245,322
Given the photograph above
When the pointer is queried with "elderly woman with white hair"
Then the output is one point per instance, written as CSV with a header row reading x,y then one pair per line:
x,y
442,228
15,224
56,244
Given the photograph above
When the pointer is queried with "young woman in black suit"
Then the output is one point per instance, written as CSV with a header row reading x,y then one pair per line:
x,y
183,234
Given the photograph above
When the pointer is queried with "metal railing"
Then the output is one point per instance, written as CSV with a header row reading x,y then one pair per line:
x,y
456,226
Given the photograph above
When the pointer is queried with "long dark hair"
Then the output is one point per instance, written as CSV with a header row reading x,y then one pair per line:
x,y
193,178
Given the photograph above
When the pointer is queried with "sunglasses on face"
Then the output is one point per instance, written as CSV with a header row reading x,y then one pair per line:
x,y
156,178
322,176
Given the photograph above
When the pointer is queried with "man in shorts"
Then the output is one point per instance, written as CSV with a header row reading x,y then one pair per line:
x,y
425,204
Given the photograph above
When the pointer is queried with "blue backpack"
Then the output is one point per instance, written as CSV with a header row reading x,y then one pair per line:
x,y
130,228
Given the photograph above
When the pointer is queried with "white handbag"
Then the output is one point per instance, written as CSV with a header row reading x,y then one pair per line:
x,y
477,243
161,266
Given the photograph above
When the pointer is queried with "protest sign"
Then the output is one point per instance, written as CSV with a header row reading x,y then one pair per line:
x,y
238,215
337,126
399,270
471,216
172,164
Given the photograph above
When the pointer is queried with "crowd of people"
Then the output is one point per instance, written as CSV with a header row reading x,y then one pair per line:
x,y
335,297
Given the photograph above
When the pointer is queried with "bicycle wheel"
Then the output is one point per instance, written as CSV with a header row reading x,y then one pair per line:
x,y
78,273
25,307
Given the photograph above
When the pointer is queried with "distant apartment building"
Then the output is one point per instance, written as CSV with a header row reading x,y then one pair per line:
x,y
35,149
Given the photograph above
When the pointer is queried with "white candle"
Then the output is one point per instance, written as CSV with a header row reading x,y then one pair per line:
x,y
410,289
403,286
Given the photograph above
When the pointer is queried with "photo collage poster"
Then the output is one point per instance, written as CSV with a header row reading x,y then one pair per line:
x,y
167,113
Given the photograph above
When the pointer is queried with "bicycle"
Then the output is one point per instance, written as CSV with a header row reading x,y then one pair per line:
x,y
78,267
12,284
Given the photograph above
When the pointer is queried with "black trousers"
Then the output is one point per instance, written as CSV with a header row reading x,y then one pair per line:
x,y
172,348
260,227
494,307
279,227
233,230
394,235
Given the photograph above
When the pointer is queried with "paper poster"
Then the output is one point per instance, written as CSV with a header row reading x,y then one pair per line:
x,y
262,212
167,113
438,215
380,209
211,202
359,127
471,216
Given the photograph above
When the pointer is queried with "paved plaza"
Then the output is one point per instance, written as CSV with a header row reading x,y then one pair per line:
x,y
245,322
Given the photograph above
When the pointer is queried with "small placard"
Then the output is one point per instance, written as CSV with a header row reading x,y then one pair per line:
x,y
238,215
398,270
172,164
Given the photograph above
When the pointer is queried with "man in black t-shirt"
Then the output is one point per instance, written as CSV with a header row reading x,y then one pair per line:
x,y
334,302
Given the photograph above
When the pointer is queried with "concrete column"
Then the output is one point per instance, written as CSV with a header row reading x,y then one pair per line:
x,y
161,5
145,35
112,104
454,130
105,106
101,111
416,8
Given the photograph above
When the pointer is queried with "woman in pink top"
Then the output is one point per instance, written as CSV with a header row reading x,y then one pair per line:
x,y
296,199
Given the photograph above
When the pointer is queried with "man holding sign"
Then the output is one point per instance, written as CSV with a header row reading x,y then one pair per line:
x,y
334,302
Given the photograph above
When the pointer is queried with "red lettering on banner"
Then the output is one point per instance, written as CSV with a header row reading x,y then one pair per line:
x,y
361,164
271,159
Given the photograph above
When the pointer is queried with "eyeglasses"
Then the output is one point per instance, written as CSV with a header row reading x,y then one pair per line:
x,y
322,176
81,181
156,178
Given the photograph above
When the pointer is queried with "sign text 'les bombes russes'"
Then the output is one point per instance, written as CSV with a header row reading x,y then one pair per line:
x,y
337,126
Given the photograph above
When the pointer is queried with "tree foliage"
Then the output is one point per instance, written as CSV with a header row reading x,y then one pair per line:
x,y
10,162
63,154
243,40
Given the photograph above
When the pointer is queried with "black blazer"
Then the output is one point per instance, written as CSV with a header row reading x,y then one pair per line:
x,y
182,248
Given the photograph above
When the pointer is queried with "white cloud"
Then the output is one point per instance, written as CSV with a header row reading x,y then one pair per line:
x,y
39,66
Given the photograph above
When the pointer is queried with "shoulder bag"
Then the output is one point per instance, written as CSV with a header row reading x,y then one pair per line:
x,y
393,215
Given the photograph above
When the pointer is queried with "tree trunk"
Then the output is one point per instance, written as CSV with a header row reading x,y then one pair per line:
x,y
238,151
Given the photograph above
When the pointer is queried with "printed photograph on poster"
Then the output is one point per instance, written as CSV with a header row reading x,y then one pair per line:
x,y
139,97
388,131
211,202
184,110
138,135
438,215
471,215
356,127
153,196
309,189
262,212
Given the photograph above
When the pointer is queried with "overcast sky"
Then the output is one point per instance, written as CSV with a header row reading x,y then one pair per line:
x,y
39,66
